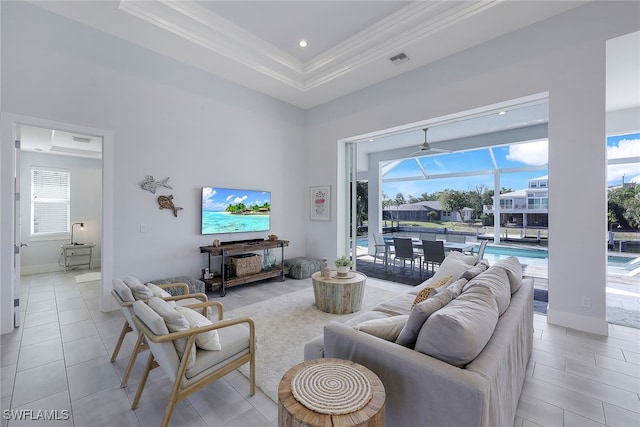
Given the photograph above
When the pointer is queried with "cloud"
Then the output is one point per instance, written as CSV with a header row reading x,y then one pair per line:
x,y
239,199
625,148
531,153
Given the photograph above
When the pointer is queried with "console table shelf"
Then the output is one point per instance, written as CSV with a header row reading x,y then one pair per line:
x,y
241,248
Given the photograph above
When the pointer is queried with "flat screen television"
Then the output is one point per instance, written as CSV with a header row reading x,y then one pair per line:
x,y
230,210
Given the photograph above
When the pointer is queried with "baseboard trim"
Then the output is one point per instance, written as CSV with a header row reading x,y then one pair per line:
x,y
51,268
574,321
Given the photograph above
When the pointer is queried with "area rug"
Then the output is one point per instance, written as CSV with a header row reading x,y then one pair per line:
x,y
284,324
88,277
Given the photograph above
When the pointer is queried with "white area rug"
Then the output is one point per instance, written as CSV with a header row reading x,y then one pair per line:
x,y
88,277
284,325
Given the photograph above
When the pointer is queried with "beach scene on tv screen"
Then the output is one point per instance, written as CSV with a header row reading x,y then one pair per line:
x,y
227,210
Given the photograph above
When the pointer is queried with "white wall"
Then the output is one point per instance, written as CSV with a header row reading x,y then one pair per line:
x,y
564,56
167,119
43,255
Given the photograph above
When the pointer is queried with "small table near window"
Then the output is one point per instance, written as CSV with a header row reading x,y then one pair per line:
x,y
77,254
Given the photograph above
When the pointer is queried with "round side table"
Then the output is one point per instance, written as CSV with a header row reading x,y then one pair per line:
x,y
339,295
293,413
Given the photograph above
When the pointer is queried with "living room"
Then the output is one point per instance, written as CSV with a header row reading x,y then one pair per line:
x,y
163,118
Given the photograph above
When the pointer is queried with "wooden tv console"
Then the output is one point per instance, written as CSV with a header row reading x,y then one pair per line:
x,y
227,249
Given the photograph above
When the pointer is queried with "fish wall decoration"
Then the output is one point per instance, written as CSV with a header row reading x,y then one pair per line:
x,y
150,184
166,202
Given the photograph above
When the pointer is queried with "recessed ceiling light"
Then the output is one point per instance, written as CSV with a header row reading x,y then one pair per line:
x,y
502,113
370,139
302,43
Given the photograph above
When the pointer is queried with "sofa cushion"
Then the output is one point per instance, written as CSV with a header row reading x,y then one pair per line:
x,y
514,271
421,312
400,304
495,278
458,332
387,328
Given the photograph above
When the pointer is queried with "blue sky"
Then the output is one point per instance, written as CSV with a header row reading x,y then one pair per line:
x,y
533,153
217,199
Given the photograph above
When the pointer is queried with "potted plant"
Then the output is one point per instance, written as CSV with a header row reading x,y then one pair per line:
x,y
343,264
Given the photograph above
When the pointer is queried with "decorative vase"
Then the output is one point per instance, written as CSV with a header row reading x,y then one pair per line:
x,y
269,259
343,270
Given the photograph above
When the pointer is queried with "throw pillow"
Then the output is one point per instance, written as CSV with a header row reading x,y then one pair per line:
x,y
138,290
157,291
430,290
457,333
452,265
387,328
421,312
206,340
175,322
481,266
467,259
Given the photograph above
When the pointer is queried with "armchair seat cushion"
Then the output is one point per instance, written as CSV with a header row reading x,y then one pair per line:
x,y
234,341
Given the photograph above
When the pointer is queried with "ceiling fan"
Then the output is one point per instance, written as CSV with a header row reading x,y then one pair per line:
x,y
426,147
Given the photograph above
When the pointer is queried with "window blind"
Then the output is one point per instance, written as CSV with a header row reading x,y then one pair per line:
x,y
50,191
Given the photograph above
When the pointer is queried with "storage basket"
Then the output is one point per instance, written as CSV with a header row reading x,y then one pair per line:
x,y
245,265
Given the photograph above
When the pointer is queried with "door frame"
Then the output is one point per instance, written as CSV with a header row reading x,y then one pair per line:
x,y
10,124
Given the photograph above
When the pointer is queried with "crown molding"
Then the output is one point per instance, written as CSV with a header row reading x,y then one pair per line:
x,y
198,25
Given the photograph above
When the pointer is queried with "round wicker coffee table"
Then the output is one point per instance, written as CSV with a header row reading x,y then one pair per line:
x,y
330,392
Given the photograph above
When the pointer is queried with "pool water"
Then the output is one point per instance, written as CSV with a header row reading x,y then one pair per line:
x,y
532,256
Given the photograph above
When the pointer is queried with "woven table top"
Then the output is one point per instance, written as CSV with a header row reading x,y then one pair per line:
x,y
331,388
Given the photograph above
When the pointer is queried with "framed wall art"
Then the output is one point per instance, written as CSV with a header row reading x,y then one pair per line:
x,y
320,203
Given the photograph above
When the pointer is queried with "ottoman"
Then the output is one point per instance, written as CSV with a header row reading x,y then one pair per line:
x,y
195,285
302,267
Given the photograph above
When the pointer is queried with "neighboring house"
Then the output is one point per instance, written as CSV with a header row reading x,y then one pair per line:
x,y
527,207
420,211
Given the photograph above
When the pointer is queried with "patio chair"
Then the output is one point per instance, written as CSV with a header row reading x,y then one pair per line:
x,y
481,249
404,251
124,296
237,347
380,246
433,253
456,238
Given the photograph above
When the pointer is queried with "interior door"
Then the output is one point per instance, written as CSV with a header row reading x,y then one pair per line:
x,y
17,240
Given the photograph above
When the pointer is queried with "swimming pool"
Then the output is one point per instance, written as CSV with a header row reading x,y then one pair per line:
x,y
532,256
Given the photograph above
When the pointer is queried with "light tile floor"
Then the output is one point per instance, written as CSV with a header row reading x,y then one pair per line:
x,y
59,360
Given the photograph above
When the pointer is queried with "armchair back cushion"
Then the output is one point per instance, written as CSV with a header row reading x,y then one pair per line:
x,y
175,322
123,291
164,352
138,290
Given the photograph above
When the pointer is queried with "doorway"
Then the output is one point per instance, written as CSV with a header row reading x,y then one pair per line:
x,y
12,127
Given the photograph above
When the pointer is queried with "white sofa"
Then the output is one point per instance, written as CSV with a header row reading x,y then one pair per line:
x,y
469,360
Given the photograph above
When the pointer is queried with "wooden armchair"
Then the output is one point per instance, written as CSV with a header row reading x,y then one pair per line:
x,y
125,298
237,347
